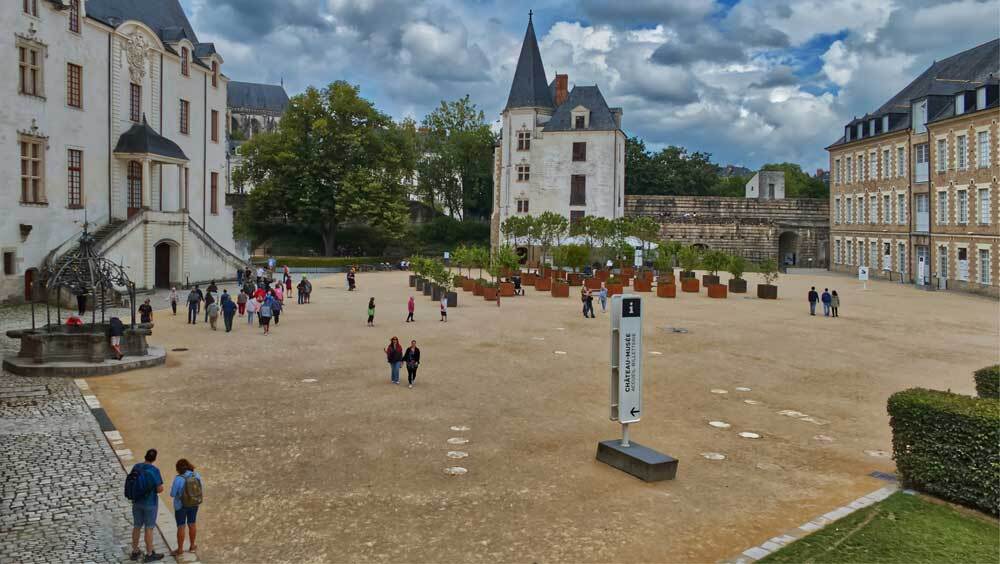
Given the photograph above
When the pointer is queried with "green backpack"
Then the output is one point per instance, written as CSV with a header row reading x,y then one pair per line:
x,y
191,495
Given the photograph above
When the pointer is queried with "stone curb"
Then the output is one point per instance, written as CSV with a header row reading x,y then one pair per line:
x,y
25,367
764,549
164,520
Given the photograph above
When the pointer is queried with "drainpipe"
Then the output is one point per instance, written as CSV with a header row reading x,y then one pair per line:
x,y
204,153
110,122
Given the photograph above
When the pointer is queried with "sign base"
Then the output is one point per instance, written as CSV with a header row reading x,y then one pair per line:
x,y
642,462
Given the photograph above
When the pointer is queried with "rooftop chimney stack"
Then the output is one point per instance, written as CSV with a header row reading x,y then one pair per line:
x,y
562,88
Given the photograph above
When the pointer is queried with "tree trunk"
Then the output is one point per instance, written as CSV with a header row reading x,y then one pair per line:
x,y
329,233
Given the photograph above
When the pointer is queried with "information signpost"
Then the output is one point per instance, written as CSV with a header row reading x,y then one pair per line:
x,y
626,396
863,275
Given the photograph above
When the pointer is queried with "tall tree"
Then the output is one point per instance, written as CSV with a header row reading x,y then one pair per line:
x,y
456,159
333,159
672,171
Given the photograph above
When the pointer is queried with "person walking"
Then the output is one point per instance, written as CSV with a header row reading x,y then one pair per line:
x,y
308,289
193,300
264,314
116,329
145,312
288,283
410,306
279,294
141,486
412,359
444,308
228,313
212,287
239,276
583,299
588,304
209,300
826,298
186,490
276,307
371,312
253,306
172,299
603,295
241,301
212,313
835,304
301,289
813,298
394,355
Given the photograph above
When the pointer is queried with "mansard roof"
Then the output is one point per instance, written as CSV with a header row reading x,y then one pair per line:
x,y
530,89
254,96
590,97
143,140
165,17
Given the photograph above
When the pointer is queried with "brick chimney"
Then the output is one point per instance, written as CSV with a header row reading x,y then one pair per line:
x,y
562,89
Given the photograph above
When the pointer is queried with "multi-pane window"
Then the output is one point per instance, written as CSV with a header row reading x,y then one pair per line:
x,y
74,179
580,122
872,166
31,7
861,253
74,85
886,209
850,210
900,161
961,152
861,209
134,180
836,171
578,190
901,257
901,208
576,215
963,264
942,208
886,165
215,74
32,170
29,79
74,16
983,149
580,151
873,209
873,254
962,207
836,210
522,206
942,261
850,171
185,68
523,173
984,266
185,116
984,206
523,140
941,157
135,102
214,202
215,126
836,252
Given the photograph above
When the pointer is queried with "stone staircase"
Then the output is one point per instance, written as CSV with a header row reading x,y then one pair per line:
x,y
110,298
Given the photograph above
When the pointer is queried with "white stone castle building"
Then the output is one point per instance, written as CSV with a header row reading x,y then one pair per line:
x,y
561,151
116,117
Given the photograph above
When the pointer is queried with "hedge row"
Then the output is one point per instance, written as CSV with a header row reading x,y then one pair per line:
x,y
318,262
948,445
988,381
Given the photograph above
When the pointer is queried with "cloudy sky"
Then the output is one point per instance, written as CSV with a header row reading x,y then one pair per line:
x,y
750,81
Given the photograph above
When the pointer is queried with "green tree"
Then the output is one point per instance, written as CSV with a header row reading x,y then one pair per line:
x,y
551,228
737,266
769,270
714,261
504,258
690,258
672,171
574,256
334,159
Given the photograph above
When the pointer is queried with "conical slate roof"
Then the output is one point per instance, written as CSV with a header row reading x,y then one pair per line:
x,y
530,89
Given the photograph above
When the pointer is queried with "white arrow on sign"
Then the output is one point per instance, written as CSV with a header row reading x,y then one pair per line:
x,y
626,358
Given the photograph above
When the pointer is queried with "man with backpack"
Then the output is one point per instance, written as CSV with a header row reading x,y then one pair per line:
x,y
141,486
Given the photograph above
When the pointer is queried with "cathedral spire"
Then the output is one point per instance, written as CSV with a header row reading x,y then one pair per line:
x,y
530,88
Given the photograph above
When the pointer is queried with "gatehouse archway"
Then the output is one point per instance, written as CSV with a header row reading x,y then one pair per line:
x,y
788,249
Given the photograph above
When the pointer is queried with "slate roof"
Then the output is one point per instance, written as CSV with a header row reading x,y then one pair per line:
x,y
165,17
254,96
590,97
529,88
141,139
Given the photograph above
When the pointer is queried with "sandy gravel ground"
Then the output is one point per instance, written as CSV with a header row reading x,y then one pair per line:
x,y
351,468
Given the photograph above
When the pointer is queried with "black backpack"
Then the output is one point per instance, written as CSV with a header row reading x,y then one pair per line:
x,y
138,484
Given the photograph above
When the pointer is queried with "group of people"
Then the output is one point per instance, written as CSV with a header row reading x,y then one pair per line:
x,y
396,356
830,301
142,485
587,297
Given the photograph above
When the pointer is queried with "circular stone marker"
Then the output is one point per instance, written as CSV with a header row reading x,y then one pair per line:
x,y
719,391
767,466
538,338
559,352
656,353
714,455
823,438
743,389
309,380
751,402
457,441
457,454
677,329
459,428
877,453
719,424
749,435
455,471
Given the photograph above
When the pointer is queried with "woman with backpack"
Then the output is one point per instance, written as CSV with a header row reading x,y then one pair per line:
x,y
186,491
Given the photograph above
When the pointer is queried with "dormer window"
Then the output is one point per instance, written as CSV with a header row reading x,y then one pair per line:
x,y
920,116
847,133
74,16
885,123
871,127
185,69
581,117
861,130
981,98
960,103
579,122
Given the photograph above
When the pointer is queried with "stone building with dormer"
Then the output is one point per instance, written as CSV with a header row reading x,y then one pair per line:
x,y
560,150
117,119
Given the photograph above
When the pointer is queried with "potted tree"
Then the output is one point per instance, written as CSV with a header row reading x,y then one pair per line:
x,y
490,289
551,227
480,260
689,259
736,267
413,271
646,230
419,265
505,258
458,259
575,257
665,287
439,275
560,287
615,285
713,261
767,290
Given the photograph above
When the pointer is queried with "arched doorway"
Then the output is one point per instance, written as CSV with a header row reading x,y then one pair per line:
x,y
165,268
788,249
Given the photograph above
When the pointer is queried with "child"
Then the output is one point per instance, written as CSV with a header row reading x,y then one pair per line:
x,y
371,312
444,309
241,301
172,298
213,314
252,307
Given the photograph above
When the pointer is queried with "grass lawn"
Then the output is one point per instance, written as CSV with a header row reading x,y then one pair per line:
x,y
903,528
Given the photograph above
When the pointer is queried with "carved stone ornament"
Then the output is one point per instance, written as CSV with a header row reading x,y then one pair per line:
x,y
135,53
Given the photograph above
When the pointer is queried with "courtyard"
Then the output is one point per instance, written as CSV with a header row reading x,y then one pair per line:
x,y
310,455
